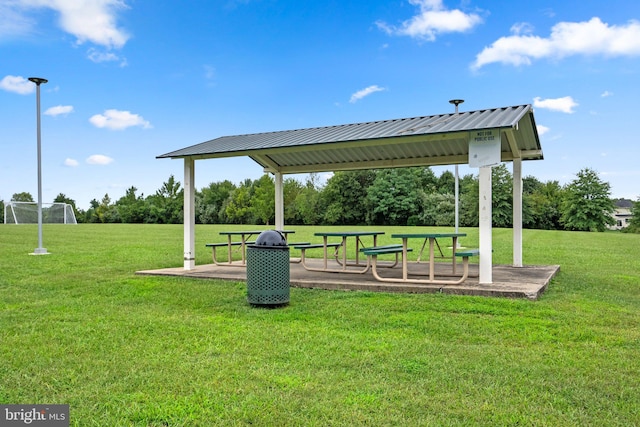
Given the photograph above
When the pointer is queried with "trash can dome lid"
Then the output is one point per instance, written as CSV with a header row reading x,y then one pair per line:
x,y
271,238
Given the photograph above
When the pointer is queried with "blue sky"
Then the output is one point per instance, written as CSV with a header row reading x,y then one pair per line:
x,y
133,79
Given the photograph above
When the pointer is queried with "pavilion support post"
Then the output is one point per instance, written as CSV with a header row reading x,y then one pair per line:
x,y
485,234
279,201
517,212
189,214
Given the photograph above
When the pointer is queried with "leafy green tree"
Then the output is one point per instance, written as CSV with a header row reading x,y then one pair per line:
x,y
263,199
238,208
447,183
530,184
131,208
344,197
22,197
502,196
166,205
544,206
210,202
469,203
587,204
292,190
437,209
62,198
106,212
308,202
90,215
393,197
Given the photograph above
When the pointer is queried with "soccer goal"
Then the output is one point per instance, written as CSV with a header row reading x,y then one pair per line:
x,y
27,213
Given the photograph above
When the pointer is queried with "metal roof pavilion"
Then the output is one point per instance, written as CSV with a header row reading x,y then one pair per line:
x,y
419,141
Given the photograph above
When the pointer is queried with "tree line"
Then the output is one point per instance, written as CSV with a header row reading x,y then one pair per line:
x,y
401,196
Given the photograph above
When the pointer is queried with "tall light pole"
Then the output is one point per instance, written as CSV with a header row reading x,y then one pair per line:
x,y
457,102
39,250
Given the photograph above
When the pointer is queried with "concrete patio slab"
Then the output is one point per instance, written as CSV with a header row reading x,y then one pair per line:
x,y
508,281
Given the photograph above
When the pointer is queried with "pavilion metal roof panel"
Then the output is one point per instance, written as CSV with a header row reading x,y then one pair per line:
x,y
438,139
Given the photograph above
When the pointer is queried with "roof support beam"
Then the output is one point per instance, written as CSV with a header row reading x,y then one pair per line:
x,y
513,144
266,161
380,164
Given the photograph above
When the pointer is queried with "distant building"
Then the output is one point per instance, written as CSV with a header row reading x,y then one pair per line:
x,y
622,214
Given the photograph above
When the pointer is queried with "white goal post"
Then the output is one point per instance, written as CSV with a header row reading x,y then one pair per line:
x,y
27,213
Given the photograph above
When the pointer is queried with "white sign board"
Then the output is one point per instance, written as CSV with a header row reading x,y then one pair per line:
x,y
484,148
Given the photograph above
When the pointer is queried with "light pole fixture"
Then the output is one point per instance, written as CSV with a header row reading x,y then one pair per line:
x,y
39,250
457,102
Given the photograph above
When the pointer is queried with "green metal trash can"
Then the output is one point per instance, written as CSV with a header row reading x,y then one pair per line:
x,y
268,276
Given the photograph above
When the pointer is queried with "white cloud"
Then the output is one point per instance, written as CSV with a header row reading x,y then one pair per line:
x,y
542,129
58,110
13,23
17,84
72,163
88,20
365,92
99,159
606,94
563,105
522,28
433,19
98,57
118,120
592,37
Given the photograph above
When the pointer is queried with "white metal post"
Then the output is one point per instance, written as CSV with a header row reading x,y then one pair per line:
x,y
517,212
486,256
279,201
457,202
189,214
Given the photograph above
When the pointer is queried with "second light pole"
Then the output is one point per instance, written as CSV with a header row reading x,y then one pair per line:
x,y
457,102
39,250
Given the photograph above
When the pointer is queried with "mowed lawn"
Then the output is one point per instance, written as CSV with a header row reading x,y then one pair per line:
x,y
79,327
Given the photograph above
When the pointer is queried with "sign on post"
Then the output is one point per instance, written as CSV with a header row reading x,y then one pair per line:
x,y
484,148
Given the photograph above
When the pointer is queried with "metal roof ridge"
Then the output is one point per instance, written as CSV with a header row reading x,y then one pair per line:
x,y
378,121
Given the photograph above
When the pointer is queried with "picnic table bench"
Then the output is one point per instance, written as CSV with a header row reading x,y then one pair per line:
x,y
342,261
230,243
374,252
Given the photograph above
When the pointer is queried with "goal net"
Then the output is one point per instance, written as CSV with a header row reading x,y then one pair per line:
x,y
27,213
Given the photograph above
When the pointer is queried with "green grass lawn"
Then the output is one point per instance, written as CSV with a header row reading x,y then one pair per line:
x,y
79,327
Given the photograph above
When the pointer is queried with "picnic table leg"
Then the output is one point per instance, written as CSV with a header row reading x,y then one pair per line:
x,y
439,249
422,249
344,252
229,247
404,258
325,251
432,259
242,246
455,245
